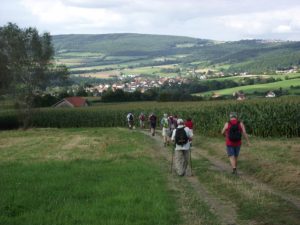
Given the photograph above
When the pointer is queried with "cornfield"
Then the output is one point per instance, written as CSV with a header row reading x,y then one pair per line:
x,y
262,117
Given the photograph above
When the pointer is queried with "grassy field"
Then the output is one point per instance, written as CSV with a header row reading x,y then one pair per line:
x,y
263,159
115,176
286,84
82,176
266,165
103,75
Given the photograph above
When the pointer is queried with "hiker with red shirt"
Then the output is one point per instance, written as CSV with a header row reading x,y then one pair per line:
x,y
189,123
142,119
233,131
152,121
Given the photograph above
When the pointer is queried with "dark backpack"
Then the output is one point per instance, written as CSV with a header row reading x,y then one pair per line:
x,y
130,117
234,133
180,137
153,119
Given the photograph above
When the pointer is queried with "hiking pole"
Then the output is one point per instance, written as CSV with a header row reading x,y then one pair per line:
x,y
191,161
172,160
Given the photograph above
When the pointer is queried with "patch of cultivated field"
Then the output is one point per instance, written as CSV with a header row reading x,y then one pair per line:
x,y
286,84
103,75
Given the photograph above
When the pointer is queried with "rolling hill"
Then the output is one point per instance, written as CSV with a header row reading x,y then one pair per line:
x,y
135,50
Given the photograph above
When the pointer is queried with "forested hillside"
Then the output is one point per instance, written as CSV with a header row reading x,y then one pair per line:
x,y
252,56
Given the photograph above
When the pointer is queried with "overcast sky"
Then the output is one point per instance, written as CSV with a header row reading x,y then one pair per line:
x,y
209,19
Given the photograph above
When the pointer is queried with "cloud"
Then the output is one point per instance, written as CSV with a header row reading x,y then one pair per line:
x,y
262,23
282,29
213,19
56,12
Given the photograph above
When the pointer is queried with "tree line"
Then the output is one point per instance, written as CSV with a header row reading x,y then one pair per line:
x,y
27,67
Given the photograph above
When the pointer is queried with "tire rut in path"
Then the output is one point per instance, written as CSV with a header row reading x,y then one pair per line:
x,y
225,211
223,167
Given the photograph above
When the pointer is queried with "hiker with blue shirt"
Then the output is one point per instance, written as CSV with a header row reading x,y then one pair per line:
x,y
181,136
233,131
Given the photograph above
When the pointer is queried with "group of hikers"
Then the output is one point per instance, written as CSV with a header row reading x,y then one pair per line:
x,y
180,132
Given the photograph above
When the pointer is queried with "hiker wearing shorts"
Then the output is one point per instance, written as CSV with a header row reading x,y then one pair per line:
x,y
181,136
152,121
233,131
164,123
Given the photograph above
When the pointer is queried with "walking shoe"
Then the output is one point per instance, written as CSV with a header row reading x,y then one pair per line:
x,y
234,171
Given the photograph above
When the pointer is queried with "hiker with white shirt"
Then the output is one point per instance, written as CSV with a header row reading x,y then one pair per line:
x,y
181,136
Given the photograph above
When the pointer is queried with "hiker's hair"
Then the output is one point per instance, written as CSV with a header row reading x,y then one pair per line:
x,y
180,122
233,115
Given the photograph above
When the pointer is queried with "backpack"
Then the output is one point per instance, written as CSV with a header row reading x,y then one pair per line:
x,y
234,133
165,123
181,137
130,117
153,118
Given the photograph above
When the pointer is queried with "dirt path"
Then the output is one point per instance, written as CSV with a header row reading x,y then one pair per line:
x,y
225,211
225,167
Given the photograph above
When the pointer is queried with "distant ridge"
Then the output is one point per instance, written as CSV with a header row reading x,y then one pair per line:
x,y
244,55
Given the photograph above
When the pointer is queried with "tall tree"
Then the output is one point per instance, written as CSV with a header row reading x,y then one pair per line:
x,y
26,63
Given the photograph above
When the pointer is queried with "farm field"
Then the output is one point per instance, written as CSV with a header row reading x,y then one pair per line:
x,y
82,176
241,77
118,176
280,115
286,84
103,75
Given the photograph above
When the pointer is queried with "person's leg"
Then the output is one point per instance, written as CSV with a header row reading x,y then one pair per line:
x,y
232,158
164,136
185,160
235,161
179,162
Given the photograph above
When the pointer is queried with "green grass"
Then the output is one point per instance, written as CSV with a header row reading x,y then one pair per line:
x,y
113,176
258,87
252,203
142,70
79,54
81,176
263,159
83,68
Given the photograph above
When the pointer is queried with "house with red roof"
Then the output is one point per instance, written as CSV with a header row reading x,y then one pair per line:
x,y
71,102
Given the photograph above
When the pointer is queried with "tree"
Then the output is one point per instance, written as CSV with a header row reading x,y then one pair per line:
x,y
26,64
